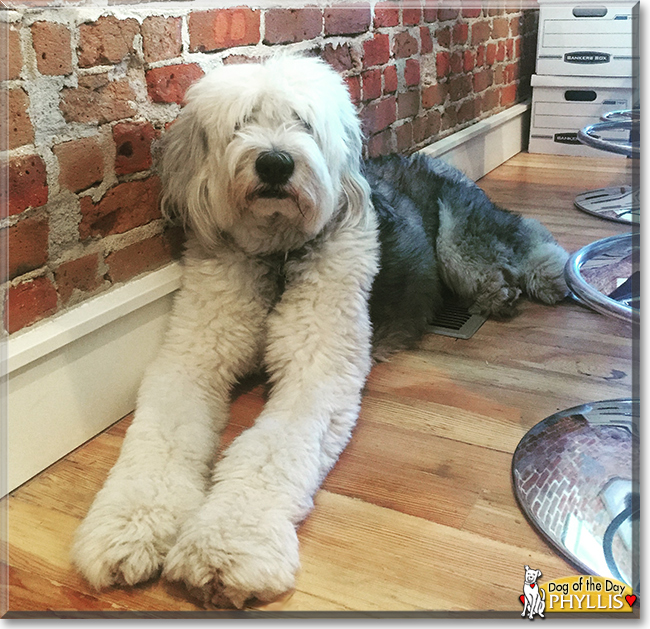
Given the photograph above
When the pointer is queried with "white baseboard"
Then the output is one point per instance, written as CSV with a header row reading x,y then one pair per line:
x,y
482,147
72,376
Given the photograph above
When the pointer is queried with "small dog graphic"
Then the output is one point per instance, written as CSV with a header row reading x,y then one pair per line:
x,y
534,598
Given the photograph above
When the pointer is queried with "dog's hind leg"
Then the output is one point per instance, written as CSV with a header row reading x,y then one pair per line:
x,y
162,472
489,257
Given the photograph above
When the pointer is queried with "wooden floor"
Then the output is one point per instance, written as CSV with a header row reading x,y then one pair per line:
x,y
419,513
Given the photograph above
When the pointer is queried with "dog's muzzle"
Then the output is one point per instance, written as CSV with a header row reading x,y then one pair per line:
x,y
274,168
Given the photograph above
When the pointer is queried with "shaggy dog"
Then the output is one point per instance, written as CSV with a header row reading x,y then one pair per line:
x,y
303,259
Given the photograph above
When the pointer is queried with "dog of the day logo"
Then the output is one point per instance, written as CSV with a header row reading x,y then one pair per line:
x,y
578,594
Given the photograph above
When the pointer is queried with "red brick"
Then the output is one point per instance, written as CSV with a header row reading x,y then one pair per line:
x,y
342,20
354,88
14,111
11,57
481,32
137,258
27,245
161,38
430,11
285,26
371,82
469,110
490,99
378,115
27,184
445,14
510,49
223,28
408,104
433,95
448,119
501,51
442,64
471,12
29,302
490,54
390,79
456,62
443,37
386,14
482,80
411,16
169,83
426,43
426,127
509,95
404,136
339,57
511,72
460,86
459,33
106,41
480,56
81,163
515,23
376,51
500,28
123,207
405,45
80,274
468,61
53,48
133,146
98,100
412,72
380,144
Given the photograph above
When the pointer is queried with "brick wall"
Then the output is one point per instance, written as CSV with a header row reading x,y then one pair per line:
x,y
88,90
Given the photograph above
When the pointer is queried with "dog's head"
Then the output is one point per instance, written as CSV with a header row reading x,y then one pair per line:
x,y
531,575
266,153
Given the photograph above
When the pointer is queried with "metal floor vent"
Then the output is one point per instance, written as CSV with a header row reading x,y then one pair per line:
x,y
456,321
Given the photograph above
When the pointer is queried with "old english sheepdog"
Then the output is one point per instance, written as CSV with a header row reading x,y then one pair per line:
x,y
305,260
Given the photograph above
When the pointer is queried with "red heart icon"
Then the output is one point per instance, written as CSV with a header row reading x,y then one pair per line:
x,y
532,585
522,599
631,599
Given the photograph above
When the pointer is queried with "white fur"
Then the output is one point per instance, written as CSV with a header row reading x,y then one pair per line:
x,y
229,530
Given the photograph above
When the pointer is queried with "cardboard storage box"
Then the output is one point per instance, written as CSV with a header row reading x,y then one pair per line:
x,y
588,40
564,105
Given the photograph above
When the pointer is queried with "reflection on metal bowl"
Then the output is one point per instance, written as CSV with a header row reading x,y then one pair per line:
x,y
575,476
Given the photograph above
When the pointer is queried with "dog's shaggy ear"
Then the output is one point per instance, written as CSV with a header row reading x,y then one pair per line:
x,y
355,187
182,160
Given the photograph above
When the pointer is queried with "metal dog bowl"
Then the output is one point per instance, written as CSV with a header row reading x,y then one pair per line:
x,y
604,275
576,478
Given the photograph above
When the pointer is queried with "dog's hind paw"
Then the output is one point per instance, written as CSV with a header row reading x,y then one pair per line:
x,y
226,561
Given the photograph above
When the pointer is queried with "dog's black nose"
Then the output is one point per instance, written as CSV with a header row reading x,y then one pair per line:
x,y
274,167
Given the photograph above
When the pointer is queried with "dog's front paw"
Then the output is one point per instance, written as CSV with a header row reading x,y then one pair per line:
x,y
122,549
128,530
227,559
